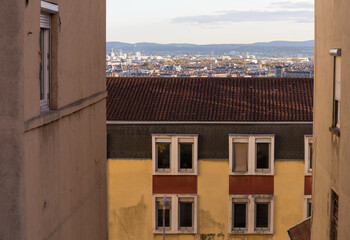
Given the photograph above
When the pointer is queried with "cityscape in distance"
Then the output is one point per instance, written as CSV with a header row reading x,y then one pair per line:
x,y
261,59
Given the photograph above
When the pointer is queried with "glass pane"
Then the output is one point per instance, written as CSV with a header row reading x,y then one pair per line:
x,y
186,155
163,155
310,155
42,64
240,157
262,155
262,215
239,218
309,208
160,218
185,209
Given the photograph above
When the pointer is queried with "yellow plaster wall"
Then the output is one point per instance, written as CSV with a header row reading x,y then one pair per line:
x,y
289,196
130,200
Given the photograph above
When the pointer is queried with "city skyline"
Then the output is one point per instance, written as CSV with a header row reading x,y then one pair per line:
x,y
208,22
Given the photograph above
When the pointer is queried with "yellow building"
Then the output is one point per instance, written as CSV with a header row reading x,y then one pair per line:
x,y
52,120
230,155
331,191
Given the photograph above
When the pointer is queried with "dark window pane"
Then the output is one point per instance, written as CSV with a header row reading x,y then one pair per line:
x,y
239,218
262,215
185,214
334,216
262,155
240,157
163,155
160,218
309,209
310,155
186,155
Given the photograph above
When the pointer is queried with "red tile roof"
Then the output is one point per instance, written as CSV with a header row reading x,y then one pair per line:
x,y
301,231
209,99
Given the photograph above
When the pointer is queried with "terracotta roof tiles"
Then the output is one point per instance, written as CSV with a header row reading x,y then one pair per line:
x,y
209,99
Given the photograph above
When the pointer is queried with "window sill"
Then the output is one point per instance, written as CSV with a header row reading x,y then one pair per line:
x,y
335,131
179,232
48,115
256,232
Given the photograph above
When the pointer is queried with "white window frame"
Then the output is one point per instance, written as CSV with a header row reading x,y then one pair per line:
x,y
307,199
251,200
252,140
174,215
175,140
307,140
47,9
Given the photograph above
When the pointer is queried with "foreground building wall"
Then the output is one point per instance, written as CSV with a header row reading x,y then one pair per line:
x,y
132,183
331,161
53,168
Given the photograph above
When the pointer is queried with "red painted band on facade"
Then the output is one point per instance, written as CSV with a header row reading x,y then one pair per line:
x,y
174,184
308,185
251,185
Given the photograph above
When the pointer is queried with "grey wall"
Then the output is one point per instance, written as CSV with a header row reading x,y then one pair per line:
x,y
135,141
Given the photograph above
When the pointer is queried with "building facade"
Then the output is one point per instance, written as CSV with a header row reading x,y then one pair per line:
x,y
52,114
230,155
331,192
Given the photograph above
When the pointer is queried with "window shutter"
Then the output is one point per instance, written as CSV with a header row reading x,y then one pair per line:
x,y
45,21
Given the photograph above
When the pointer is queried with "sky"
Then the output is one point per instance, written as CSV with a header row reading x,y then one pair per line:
x,y
209,21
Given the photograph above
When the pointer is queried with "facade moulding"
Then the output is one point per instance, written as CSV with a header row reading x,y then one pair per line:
x,y
47,117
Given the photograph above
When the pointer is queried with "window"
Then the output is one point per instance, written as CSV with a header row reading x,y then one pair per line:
x,y
251,154
180,214
174,154
334,216
307,206
163,209
251,214
336,87
308,150
186,213
45,50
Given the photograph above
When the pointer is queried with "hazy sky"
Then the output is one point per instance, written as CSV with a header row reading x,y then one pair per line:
x,y
209,21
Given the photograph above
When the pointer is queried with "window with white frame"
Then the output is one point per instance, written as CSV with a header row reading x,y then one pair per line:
x,y
307,206
47,9
174,154
251,154
179,215
308,154
336,87
251,214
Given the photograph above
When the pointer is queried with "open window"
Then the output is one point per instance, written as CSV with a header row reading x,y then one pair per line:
x,y
336,90
47,9
251,154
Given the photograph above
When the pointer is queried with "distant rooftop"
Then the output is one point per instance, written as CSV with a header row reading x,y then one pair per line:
x,y
209,99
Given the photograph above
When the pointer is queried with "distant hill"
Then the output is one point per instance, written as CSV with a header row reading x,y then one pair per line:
x,y
274,47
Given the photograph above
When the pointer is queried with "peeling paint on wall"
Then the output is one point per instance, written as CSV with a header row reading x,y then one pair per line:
x,y
130,219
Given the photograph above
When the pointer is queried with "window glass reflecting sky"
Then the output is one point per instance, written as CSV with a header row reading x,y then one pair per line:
x,y
209,21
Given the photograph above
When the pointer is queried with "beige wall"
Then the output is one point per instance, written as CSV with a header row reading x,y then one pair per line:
x,y
130,200
331,158
53,163
12,222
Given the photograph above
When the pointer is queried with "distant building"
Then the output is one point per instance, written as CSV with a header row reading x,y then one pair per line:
x,y
232,155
